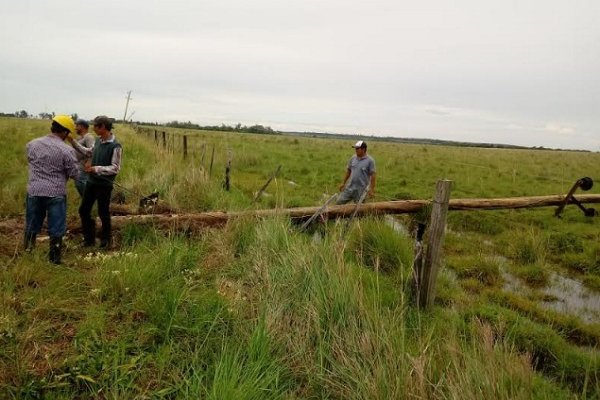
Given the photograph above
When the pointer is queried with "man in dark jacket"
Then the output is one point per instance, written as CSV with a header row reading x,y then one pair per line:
x,y
104,166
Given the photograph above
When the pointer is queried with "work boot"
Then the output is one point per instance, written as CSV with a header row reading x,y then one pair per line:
x,y
105,243
105,234
29,241
89,233
55,250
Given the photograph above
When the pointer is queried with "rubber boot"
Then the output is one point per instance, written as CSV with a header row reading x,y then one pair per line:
x,y
55,250
29,241
105,234
89,233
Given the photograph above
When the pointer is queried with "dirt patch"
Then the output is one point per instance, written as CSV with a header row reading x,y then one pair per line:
x,y
11,231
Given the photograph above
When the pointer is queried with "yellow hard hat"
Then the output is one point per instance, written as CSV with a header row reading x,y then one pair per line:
x,y
65,121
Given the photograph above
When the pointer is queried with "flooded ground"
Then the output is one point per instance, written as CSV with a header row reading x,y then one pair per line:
x,y
572,298
396,224
568,296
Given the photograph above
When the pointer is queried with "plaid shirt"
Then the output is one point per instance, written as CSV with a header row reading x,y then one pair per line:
x,y
51,163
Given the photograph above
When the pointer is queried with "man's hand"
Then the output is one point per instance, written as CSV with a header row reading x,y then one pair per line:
x,y
342,186
371,193
88,168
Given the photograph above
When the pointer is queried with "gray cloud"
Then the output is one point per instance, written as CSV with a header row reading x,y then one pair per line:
x,y
495,71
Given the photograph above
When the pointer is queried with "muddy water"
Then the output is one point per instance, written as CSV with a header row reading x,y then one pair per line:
x,y
396,224
572,298
569,296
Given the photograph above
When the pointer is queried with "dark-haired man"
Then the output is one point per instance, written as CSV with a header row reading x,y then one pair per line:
x,y
360,175
51,163
87,140
104,166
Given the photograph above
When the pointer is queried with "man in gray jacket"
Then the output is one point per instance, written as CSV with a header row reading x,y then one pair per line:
x,y
87,140
360,175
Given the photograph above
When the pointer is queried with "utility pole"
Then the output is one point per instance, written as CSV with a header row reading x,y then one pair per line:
x,y
126,105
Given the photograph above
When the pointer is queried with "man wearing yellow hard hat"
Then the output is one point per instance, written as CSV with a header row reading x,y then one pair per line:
x,y
51,164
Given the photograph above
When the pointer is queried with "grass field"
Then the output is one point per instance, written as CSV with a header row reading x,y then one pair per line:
x,y
258,310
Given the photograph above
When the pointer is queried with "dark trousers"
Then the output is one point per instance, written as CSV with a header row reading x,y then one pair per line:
x,y
91,194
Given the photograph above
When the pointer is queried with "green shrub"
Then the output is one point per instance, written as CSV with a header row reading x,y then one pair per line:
x,y
587,262
133,233
562,242
241,233
475,221
528,247
578,262
375,243
484,269
534,274
576,367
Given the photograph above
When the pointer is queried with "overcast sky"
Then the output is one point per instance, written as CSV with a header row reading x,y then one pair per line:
x,y
522,72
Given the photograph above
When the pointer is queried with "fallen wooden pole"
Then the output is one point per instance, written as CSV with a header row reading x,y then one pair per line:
x,y
217,218
345,211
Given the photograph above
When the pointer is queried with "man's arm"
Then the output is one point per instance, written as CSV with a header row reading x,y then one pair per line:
x,y
82,149
345,179
372,184
70,163
112,169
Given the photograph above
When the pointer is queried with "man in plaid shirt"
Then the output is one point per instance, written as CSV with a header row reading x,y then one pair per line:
x,y
51,164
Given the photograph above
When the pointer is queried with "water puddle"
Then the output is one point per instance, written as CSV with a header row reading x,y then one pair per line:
x,y
569,296
572,298
396,225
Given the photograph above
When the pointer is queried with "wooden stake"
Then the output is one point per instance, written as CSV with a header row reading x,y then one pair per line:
x,y
262,189
185,151
227,172
212,158
435,240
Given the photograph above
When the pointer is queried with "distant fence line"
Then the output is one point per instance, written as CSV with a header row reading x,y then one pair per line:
x,y
178,143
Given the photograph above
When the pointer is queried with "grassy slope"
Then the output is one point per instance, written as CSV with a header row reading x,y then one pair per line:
x,y
257,310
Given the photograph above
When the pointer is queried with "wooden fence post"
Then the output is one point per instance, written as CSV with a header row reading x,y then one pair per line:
x,y
164,138
202,156
212,158
262,189
227,184
435,240
156,137
185,153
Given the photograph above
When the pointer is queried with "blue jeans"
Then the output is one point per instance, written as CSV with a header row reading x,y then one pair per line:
x,y
350,194
80,183
36,208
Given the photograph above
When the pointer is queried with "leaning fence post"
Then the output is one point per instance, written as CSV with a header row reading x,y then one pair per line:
x,y
212,158
262,189
202,156
435,240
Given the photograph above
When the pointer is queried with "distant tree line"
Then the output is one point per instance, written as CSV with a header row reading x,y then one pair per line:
x,y
265,130
42,115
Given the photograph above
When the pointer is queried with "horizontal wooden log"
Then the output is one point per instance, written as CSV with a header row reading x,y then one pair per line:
x,y
198,220
343,211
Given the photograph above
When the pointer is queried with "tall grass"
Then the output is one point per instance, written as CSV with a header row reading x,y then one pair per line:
x,y
259,310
